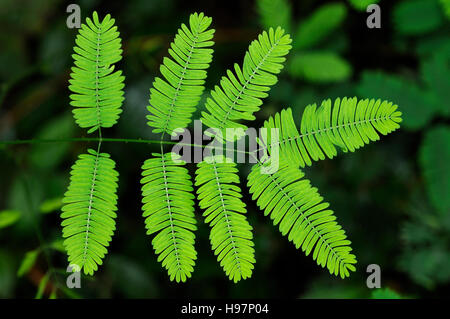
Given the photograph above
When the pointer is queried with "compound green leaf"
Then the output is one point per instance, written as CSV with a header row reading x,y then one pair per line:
x,y
174,97
98,90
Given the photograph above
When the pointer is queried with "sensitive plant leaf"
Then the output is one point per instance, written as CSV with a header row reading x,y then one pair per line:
x,y
293,204
275,13
98,90
220,197
240,94
434,159
174,98
417,105
27,262
416,17
320,67
319,25
8,218
89,210
347,123
168,209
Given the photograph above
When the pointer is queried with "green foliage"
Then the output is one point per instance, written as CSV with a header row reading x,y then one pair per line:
x,y
417,104
90,210
416,17
320,67
41,287
28,262
275,13
168,205
435,74
319,25
446,7
172,102
434,160
312,64
98,89
297,207
348,124
385,293
51,155
174,98
240,94
51,205
9,217
90,203
220,197
361,5
425,256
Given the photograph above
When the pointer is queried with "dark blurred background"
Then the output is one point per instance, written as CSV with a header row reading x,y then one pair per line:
x,y
392,197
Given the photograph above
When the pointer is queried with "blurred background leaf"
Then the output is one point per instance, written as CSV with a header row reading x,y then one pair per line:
x,y
415,17
362,4
8,217
319,25
435,162
319,67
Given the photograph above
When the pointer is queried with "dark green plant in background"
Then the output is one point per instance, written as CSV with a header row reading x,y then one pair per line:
x,y
312,60
392,199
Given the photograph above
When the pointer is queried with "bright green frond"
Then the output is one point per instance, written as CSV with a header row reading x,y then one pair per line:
x,y
231,234
299,210
348,123
240,94
90,210
98,90
168,205
174,98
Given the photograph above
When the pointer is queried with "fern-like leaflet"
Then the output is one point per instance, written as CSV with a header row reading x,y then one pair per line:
x,y
240,94
172,102
298,209
348,124
98,89
288,198
91,201
90,209
174,98
168,205
220,197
